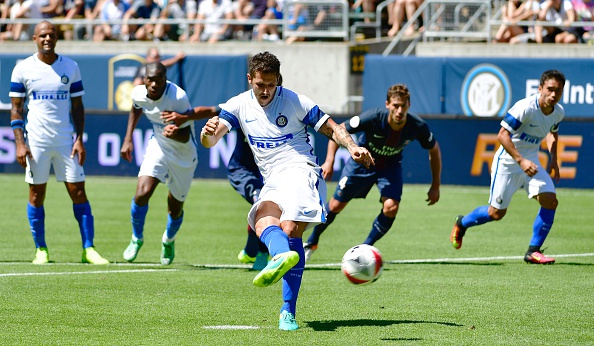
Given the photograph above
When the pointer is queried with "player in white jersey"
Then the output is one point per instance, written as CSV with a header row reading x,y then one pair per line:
x,y
275,120
516,164
52,85
170,156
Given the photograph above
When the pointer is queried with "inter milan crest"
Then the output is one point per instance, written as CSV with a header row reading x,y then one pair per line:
x,y
281,120
64,79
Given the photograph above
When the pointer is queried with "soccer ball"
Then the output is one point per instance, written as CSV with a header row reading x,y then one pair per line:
x,y
362,264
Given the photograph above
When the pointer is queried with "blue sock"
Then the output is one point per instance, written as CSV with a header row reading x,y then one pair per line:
x,y
276,240
36,218
86,223
292,279
138,216
477,217
381,226
542,226
314,238
173,226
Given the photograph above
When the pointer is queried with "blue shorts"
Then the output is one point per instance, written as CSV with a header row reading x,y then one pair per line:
x,y
247,183
356,182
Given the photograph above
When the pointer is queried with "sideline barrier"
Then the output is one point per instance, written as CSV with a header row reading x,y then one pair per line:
x,y
467,146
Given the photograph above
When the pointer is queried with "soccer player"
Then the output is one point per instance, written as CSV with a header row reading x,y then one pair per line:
x,y
170,157
244,176
53,87
385,132
516,165
275,120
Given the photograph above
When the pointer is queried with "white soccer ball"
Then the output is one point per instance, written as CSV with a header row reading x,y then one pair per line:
x,y
362,264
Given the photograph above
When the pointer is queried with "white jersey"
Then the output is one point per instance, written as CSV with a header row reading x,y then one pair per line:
x,y
48,89
174,99
528,126
277,133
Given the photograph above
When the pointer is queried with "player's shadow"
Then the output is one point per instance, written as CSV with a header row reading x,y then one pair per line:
x,y
331,326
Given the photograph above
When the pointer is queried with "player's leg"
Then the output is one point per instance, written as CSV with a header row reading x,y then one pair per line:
x,y
542,188
503,186
389,183
68,169
292,279
37,175
36,216
383,222
175,218
138,209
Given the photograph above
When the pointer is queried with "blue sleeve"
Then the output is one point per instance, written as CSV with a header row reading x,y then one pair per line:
x,y
230,118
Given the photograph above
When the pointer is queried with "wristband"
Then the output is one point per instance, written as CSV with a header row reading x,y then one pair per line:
x,y
17,124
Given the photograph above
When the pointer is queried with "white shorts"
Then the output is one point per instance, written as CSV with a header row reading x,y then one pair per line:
x,y
178,177
299,192
503,186
65,168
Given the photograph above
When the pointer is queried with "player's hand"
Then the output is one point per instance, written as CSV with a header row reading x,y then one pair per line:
x,y
432,195
79,149
327,170
173,117
362,156
126,151
210,128
22,153
529,167
170,131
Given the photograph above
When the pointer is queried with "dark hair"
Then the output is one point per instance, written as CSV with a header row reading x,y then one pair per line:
x,y
552,74
157,69
398,90
265,62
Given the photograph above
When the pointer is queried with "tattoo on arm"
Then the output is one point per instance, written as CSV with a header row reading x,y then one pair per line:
x,y
342,137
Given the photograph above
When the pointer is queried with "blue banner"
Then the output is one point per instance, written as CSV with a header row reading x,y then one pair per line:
x,y
467,146
485,87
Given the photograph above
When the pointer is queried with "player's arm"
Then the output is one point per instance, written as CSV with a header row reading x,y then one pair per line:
x,y
552,139
435,164
178,134
199,112
212,132
340,135
127,145
504,137
328,165
18,127
78,120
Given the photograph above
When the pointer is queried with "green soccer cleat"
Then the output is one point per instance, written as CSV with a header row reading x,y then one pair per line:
x,y
261,261
167,253
90,255
278,266
132,250
458,232
287,321
41,256
244,258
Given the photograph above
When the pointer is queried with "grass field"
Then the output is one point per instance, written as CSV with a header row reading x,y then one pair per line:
x,y
429,293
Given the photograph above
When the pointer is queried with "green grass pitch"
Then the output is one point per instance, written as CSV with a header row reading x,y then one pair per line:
x,y
429,293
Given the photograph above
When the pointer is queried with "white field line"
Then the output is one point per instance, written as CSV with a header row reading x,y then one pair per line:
x,y
89,272
245,266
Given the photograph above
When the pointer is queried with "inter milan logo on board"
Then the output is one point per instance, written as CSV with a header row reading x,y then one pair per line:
x,y
281,120
486,92
64,79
